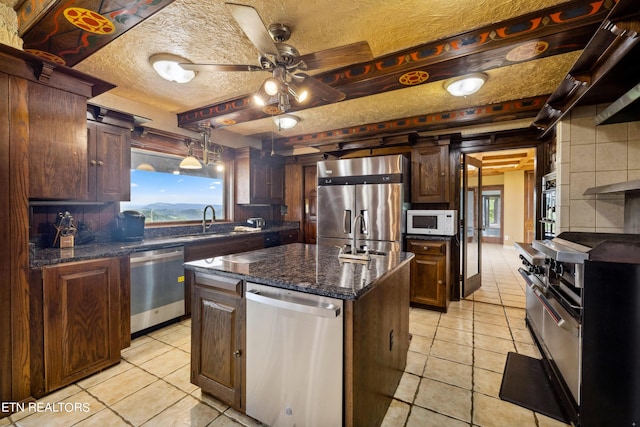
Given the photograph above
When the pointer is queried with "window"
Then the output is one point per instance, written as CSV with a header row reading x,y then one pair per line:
x,y
165,193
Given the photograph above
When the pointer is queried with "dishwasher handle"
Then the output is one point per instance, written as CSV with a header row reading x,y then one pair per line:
x,y
327,310
143,257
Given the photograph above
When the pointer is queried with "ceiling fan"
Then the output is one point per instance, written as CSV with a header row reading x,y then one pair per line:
x,y
285,63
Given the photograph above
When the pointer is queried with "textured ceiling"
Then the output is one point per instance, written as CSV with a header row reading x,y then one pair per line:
x,y
205,32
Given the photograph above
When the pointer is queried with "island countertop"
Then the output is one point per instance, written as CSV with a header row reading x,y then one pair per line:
x,y
305,268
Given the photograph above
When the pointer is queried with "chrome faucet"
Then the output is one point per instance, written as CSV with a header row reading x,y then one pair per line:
x,y
354,244
204,218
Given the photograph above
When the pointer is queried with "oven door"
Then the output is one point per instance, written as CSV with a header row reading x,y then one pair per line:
x,y
562,336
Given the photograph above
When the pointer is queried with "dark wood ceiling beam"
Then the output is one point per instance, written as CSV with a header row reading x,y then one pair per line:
x,y
513,110
561,29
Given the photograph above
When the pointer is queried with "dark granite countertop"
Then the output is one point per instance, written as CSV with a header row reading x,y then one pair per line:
x,y
306,268
49,256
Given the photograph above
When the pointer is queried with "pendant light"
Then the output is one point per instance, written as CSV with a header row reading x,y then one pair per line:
x,y
190,162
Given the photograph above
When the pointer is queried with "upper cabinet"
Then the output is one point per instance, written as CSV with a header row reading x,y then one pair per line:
x,y
259,178
109,162
72,158
429,174
58,158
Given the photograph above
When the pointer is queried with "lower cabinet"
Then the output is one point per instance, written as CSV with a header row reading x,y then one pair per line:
x,y
81,319
430,284
217,336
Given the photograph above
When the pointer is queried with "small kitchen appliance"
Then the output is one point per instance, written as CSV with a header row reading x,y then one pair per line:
x,y
129,226
434,222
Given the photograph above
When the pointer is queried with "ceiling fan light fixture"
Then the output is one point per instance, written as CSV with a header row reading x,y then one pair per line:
x,y
271,86
299,92
465,85
286,121
167,66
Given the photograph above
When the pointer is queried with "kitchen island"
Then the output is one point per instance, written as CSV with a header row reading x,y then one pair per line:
x,y
375,297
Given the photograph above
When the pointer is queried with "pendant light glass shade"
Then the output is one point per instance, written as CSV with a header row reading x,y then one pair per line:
x,y
190,162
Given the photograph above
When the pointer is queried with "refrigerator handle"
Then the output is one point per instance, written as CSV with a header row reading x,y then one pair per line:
x,y
346,222
365,221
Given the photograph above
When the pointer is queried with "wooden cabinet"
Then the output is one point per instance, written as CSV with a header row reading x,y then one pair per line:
x,y
217,336
430,174
58,157
81,319
70,158
109,162
291,236
259,178
430,284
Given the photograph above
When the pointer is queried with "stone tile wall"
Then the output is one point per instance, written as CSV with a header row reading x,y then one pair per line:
x,y
590,156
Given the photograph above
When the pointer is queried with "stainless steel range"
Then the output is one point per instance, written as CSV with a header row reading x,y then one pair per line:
x,y
583,308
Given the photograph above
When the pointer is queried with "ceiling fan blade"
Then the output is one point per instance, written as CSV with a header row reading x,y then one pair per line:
x,y
219,67
322,90
338,56
251,23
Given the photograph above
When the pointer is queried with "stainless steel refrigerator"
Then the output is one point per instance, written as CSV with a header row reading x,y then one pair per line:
x,y
374,190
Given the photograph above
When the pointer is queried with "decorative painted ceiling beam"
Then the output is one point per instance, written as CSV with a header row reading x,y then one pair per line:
x,y
72,30
508,110
556,30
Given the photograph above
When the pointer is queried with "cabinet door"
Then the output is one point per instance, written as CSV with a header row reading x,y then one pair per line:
x,y
217,343
276,182
109,163
430,174
81,308
428,273
57,144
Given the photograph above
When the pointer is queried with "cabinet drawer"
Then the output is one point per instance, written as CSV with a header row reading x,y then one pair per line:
x,y
427,247
220,283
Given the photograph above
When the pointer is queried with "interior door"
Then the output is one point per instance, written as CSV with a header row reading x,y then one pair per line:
x,y
471,233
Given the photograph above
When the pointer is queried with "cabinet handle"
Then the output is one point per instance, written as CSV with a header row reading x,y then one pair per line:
x,y
100,163
237,353
93,163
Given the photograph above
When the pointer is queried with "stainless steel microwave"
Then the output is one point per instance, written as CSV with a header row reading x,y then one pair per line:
x,y
436,222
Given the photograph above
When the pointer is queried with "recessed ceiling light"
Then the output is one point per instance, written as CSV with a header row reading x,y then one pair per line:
x,y
465,85
166,65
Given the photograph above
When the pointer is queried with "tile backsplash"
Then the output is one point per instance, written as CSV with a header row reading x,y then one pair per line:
x,y
591,156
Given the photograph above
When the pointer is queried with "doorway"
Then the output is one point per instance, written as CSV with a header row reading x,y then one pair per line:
x,y
492,205
492,217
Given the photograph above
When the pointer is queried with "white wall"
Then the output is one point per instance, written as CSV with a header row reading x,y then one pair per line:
x,y
590,156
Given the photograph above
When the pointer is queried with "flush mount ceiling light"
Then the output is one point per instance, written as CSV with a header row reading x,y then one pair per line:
x,y
286,121
166,65
465,85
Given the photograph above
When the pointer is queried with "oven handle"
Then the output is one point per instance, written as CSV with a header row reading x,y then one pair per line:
x,y
557,318
525,275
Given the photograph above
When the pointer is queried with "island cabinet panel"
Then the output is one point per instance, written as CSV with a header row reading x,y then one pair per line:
x,y
376,345
109,162
81,311
58,157
430,284
430,174
217,337
223,246
259,177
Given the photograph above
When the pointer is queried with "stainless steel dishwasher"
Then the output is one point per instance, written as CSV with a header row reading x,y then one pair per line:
x,y
294,357
157,287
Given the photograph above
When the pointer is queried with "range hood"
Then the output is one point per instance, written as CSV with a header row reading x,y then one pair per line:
x,y
631,191
624,109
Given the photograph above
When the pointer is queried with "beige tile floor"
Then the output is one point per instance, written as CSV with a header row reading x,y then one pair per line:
x,y
452,378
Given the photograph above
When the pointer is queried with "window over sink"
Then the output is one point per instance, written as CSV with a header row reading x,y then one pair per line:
x,y
165,193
